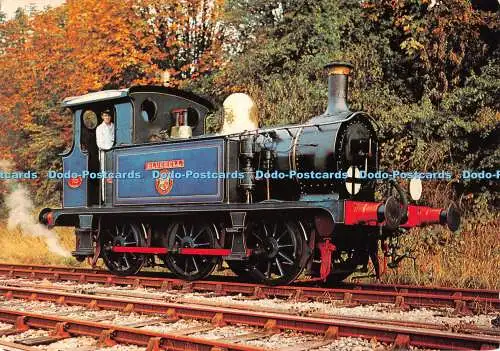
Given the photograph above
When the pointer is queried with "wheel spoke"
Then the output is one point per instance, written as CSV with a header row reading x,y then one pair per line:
x,y
287,245
268,272
279,266
266,232
130,243
126,260
275,228
258,237
288,259
281,235
195,265
198,234
186,265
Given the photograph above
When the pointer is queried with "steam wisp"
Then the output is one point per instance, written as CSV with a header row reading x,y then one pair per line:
x,y
21,215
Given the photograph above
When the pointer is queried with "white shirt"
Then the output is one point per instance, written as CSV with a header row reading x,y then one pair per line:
x,y
105,136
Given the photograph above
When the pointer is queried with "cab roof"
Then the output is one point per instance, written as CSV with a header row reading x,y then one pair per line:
x,y
108,95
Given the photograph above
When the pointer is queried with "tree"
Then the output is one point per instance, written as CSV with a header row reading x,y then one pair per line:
x,y
443,67
84,46
441,43
188,37
276,53
428,75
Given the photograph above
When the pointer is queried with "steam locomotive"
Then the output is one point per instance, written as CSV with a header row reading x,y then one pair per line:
x,y
272,203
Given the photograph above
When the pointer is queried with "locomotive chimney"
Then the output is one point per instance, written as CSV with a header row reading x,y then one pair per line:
x,y
338,77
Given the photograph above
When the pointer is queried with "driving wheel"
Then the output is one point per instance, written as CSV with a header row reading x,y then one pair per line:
x,y
280,247
188,235
124,234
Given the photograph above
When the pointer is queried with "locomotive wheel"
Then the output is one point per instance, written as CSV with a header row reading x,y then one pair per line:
x,y
127,234
281,247
184,235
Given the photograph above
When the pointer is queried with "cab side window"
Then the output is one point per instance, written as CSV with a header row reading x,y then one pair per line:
x,y
90,122
92,118
149,110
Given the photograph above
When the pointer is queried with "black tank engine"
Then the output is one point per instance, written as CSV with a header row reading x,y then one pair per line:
x,y
272,203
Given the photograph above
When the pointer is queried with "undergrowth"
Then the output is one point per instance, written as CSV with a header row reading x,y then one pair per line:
x,y
19,247
469,258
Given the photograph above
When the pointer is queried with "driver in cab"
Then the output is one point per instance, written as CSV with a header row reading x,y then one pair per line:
x,y
105,139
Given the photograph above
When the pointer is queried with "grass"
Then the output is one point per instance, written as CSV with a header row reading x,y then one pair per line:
x,y
470,258
19,247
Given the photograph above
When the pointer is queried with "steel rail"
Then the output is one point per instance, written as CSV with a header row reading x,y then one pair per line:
x,y
433,290
390,332
110,334
35,289
12,346
401,297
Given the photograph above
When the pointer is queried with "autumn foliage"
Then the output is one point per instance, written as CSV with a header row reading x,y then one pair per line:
x,y
89,45
443,43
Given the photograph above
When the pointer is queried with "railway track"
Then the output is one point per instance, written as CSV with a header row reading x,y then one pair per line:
x,y
59,294
464,301
107,334
400,334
